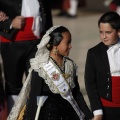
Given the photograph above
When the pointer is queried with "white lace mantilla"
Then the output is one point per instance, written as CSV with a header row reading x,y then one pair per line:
x,y
21,99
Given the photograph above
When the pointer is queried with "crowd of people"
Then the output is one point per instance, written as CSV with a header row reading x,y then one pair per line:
x,y
31,45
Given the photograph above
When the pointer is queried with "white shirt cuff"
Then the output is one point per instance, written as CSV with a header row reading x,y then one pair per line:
x,y
11,26
98,112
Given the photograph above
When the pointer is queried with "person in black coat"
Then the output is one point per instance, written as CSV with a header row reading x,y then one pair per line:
x,y
102,70
19,34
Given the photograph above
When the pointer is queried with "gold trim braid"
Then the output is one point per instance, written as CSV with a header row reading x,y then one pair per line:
x,y
20,116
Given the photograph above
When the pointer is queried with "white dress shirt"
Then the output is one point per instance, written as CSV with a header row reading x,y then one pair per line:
x,y
114,59
30,8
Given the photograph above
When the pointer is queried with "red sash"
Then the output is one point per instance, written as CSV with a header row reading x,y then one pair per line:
x,y
24,34
115,93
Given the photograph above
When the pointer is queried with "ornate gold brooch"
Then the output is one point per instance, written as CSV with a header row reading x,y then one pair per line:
x,y
66,75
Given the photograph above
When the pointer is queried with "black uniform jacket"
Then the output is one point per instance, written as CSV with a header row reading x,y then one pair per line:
x,y
12,8
97,76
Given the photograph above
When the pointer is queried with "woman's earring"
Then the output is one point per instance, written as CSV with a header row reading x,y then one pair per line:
x,y
48,45
55,51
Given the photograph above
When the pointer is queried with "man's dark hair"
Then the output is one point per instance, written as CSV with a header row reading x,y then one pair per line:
x,y
112,18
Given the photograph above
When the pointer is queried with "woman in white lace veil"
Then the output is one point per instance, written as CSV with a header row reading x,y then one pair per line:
x,y
40,54
54,47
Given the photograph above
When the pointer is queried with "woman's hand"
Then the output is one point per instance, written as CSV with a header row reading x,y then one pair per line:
x,y
3,16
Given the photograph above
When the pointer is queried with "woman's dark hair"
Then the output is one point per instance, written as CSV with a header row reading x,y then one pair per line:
x,y
112,18
56,36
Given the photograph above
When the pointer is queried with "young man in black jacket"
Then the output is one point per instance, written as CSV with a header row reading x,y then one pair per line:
x,y
102,70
